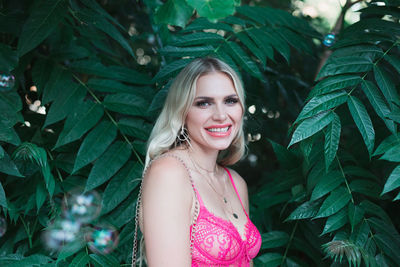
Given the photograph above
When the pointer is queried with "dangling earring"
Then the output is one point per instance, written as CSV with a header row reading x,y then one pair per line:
x,y
183,135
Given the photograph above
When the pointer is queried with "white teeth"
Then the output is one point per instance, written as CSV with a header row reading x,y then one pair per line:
x,y
218,129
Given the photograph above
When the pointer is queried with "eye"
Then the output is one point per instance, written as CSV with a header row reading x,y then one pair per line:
x,y
231,100
202,104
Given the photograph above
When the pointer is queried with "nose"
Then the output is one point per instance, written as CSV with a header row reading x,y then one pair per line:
x,y
219,113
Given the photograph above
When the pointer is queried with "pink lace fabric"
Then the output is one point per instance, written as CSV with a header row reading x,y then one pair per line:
x,y
217,242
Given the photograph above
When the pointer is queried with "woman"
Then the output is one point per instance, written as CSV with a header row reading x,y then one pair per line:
x,y
194,211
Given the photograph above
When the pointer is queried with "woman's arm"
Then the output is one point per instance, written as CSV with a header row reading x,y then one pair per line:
x,y
166,200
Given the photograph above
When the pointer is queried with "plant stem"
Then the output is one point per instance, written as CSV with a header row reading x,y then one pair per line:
x,y
28,233
110,117
289,243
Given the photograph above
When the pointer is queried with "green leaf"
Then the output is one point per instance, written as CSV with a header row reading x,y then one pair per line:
x,y
252,13
259,39
192,51
7,166
29,151
274,239
43,19
197,38
252,47
348,64
392,154
356,214
395,61
80,260
66,101
335,221
124,213
119,72
112,86
326,184
95,143
276,41
365,187
3,200
213,9
60,80
372,208
126,104
378,103
332,138
389,230
311,126
334,202
70,249
285,157
174,12
363,121
364,51
387,86
10,101
305,211
171,69
204,24
334,83
393,182
8,58
121,185
321,103
41,196
108,164
388,143
17,260
78,123
103,260
9,135
270,259
243,60
135,127
297,41
386,244
90,17
395,115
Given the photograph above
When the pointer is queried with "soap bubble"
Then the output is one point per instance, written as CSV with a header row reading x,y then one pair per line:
x,y
7,81
3,226
329,39
102,239
82,206
61,232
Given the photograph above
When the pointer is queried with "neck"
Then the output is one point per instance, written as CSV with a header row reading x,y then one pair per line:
x,y
206,160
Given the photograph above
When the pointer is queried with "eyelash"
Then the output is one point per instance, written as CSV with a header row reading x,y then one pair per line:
x,y
229,101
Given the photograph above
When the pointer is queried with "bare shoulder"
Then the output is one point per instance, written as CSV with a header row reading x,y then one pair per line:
x,y
168,173
240,183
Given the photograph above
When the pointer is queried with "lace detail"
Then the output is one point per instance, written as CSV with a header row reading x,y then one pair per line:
x,y
217,242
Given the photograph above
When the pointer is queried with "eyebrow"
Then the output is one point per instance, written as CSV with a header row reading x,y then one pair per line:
x,y
210,98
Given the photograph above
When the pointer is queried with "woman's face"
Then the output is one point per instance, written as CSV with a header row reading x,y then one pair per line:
x,y
215,116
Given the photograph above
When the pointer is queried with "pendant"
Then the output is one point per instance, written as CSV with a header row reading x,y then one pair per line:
x,y
235,215
226,201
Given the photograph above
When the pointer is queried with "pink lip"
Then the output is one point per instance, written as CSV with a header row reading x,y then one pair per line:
x,y
220,134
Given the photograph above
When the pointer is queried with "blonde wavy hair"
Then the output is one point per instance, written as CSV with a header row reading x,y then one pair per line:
x,y
180,98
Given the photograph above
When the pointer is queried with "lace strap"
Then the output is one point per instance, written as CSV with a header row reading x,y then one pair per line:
x,y
139,199
237,193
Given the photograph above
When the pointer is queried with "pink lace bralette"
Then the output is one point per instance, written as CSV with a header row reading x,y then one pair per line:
x,y
217,242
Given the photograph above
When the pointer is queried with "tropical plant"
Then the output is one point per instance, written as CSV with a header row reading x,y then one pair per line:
x,y
82,84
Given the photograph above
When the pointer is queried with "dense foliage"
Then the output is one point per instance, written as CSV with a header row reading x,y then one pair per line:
x,y
91,78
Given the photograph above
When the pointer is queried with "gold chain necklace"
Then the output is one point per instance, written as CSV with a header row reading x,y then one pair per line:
x,y
222,196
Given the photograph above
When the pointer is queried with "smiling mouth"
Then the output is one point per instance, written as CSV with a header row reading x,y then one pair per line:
x,y
218,130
